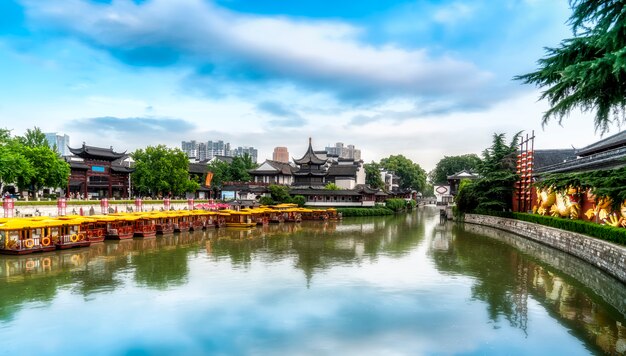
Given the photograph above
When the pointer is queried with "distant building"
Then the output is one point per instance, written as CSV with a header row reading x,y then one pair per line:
x,y
61,142
190,148
281,154
342,151
217,148
250,151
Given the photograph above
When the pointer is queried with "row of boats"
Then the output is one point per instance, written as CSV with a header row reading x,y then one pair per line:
x,y
39,234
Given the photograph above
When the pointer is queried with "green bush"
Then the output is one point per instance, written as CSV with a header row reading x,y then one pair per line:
x,y
603,232
395,204
299,199
266,201
349,212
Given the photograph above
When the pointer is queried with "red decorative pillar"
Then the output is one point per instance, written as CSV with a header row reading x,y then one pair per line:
x,y
138,204
61,206
166,204
104,206
8,205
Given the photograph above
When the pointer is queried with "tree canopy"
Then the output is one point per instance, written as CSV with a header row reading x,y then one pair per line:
x,y
412,176
587,71
236,171
372,175
494,190
160,171
29,163
450,165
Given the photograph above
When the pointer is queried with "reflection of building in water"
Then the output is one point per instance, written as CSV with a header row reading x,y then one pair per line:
x,y
583,312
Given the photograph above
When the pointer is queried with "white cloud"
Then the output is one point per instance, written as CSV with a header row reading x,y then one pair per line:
x,y
323,54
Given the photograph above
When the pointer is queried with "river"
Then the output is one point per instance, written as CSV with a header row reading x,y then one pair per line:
x,y
402,284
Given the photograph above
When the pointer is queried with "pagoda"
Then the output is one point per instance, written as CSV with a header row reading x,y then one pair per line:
x,y
311,169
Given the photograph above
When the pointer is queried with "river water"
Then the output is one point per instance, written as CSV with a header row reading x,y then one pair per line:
x,y
394,285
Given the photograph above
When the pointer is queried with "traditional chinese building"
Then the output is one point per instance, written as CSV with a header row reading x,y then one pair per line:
x,y
311,169
98,172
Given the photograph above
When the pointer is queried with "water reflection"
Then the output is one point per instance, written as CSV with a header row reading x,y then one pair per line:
x,y
509,275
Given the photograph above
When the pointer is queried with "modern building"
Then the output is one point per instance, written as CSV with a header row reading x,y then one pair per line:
x,y
342,151
60,142
190,148
281,154
242,151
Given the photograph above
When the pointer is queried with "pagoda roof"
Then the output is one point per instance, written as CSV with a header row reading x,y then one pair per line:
x,y
310,157
463,175
91,152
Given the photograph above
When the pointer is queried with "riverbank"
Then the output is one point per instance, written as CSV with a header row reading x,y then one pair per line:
x,y
74,207
606,256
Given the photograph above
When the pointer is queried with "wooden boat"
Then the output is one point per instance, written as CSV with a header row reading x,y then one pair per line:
x,y
260,215
145,226
197,219
94,227
68,235
23,236
239,219
333,214
220,219
164,224
122,228
292,215
181,221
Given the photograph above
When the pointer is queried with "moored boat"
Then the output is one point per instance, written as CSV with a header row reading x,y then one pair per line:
x,y
122,228
145,226
23,236
239,219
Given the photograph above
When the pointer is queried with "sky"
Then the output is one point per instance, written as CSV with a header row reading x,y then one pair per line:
x,y
421,78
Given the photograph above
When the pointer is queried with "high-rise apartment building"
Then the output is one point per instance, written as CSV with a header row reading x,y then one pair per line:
x,y
342,151
281,154
190,148
241,151
61,142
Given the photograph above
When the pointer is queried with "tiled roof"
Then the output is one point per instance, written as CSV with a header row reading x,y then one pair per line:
x,y
105,154
615,141
310,157
342,170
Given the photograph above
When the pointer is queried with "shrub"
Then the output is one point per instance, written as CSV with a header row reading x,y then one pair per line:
x,y
395,204
348,212
266,201
299,199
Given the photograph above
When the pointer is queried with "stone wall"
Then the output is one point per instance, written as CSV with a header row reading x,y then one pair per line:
x,y
606,256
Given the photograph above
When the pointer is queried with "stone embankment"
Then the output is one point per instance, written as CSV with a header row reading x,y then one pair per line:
x,y
604,255
75,209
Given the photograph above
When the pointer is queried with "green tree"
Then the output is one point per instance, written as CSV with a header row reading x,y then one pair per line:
x,y
13,162
331,186
494,190
279,193
587,71
221,173
412,176
450,165
372,175
45,167
34,138
160,170
299,199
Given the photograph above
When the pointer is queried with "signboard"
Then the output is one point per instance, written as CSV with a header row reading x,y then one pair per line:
x,y
97,169
442,193
228,195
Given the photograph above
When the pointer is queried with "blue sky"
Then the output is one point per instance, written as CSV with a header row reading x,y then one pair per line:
x,y
419,78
